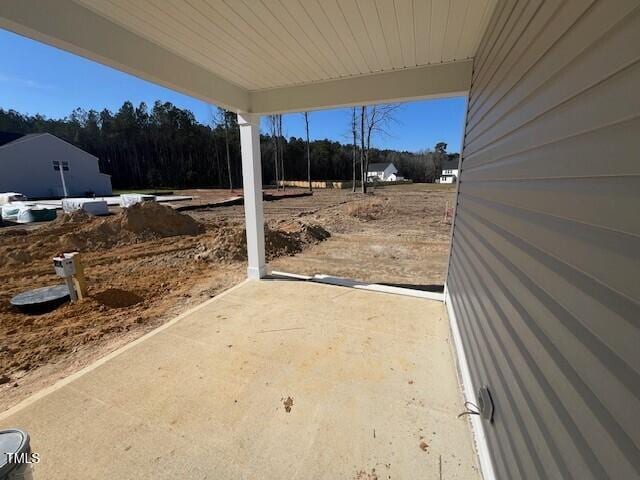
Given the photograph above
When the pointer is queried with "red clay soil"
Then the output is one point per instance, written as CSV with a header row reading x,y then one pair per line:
x,y
143,266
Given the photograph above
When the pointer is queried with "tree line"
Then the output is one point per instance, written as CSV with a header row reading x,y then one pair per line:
x,y
165,146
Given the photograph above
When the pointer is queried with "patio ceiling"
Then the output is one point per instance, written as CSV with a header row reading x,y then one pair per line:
x,y
271,55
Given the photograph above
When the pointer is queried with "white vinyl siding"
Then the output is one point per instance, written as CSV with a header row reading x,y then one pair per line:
x,y
544,269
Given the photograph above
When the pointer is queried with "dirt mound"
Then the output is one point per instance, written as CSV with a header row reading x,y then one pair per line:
x,y
74,218
117,298
369,209
228,242
158,220
17,257
140,222
82,232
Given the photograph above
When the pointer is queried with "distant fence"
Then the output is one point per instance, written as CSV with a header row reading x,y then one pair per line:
x,y
338,184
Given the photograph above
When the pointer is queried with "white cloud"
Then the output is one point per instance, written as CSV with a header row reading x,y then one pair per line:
x,y
21,82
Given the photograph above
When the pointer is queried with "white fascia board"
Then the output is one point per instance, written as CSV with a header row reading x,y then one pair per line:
x,y
431,81
75,28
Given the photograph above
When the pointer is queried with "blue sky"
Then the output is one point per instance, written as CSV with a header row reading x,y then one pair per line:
x,y
35,78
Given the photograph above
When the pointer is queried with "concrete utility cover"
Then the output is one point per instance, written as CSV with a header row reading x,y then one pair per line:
x,y
43,298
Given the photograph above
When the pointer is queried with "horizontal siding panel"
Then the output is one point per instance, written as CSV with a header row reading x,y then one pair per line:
x,y
509,39
600,440
564,37
614,99
502,334
579,75
612,150
608,202
495,362
542,17
472,286
596,306
616,382
544,264
492,37
540,49
608,256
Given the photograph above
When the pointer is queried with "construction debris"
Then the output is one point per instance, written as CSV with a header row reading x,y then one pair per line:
x,y
91,206
20,212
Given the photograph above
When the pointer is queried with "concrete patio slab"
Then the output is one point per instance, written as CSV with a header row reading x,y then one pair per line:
x,y
370,376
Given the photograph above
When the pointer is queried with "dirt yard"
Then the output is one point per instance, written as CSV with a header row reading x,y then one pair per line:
x,y
145,267
396,235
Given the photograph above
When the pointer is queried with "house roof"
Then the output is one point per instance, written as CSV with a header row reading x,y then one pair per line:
x,y
7,137
451,163
378,167
12,138
20,139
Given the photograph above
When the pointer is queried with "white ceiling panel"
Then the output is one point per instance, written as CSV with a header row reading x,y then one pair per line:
x,y
267,44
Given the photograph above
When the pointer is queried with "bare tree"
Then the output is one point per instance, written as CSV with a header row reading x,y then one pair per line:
x,y
213,121
281,149
223,116
354,131
306,123
375,121
273,122
363,172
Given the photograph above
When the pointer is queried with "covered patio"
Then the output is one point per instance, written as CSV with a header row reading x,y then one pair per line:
x,y
373,394
541,294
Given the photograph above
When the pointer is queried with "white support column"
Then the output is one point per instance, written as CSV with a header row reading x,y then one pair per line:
x,y
252,185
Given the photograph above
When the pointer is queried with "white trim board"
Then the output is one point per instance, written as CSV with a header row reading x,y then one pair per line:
x,y
425,82
469,392
372,287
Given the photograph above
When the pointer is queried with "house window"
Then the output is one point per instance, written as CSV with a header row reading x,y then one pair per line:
x,y
56,166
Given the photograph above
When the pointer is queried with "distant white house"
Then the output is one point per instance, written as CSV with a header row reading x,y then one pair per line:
x,y
42,165
450,171
385,172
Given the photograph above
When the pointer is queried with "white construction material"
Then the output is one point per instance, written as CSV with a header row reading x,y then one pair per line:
x,y
252,184
113,201
91,206
10,211
20,212
8,197
129,199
